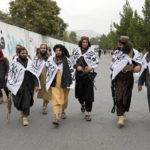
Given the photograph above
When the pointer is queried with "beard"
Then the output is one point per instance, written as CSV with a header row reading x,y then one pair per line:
x,y
58,57
126,49
43,53
23,58
118,48
85,48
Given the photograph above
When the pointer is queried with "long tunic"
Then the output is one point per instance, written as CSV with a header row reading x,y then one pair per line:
x,y
24,97
60,79
43,93
59,95
124,84
84,89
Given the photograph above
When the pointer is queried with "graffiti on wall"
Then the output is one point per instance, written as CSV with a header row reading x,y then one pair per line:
x,y
12,43
10,36
2,40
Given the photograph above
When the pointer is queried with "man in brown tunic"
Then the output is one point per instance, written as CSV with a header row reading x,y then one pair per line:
x,y
124,79
43,94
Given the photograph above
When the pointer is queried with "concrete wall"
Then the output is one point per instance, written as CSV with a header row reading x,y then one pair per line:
x,y
12,35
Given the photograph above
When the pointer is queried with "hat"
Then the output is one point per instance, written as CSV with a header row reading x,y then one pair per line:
x,y
123,39
85,38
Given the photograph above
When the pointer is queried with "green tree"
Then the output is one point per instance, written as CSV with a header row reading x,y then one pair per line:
x,y
4,16
134,31
65,36
37,15
131,24
95,40
108,41
103,42
126,17
146,24
73,37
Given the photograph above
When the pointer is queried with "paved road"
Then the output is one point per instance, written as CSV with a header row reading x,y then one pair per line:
x,y
75,133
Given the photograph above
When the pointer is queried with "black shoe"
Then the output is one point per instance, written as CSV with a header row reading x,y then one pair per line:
x,y
88,118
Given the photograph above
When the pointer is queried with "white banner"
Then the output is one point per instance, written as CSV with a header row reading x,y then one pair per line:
x,y
16,74
52,69
15,77
120,60
51,72
36,66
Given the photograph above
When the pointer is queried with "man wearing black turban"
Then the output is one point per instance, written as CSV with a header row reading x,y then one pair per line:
x,y
61,82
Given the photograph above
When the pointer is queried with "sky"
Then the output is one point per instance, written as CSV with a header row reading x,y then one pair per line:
x,y
95,15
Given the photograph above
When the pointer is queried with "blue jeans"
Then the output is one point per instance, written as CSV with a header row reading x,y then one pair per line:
x,y
148,96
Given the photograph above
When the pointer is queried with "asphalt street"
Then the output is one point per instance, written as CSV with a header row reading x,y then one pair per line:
x,y
75,133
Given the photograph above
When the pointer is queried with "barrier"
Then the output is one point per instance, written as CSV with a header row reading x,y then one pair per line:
x,y
11,35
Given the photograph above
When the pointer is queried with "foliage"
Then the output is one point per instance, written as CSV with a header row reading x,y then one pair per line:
x,y
41,16
73,37
132,25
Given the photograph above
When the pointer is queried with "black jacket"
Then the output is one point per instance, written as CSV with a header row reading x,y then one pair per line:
x,y
145,78
4,68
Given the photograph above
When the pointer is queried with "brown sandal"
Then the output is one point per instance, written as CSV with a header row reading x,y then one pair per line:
x,y
45,108
44,111
63,115
56,122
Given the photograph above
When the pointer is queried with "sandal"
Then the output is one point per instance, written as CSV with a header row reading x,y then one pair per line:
x,y
56,122
44,111
45,103
83,108
63,115
88,118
